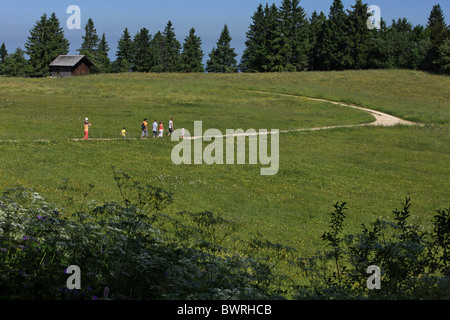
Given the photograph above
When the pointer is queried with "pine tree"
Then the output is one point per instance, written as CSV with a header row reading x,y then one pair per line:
x,y
192,54
124,53
274,39
294,32
335,39
103,61
45,43
3,52
59,45
254,56
143,57
222,57
360,37
172,53
89,47
3,55
317,23
158,44
438,31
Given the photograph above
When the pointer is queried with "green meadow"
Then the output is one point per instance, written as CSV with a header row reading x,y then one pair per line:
x,y
373,169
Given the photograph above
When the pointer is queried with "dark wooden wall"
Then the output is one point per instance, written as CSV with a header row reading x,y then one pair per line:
x,y
81,70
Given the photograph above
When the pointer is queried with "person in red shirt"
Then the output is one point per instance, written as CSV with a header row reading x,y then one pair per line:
x,y
86,129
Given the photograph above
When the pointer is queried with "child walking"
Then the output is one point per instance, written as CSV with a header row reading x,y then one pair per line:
x,y
86,129
161,129
170,127
123,133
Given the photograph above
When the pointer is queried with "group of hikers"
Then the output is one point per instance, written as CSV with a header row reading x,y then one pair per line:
x,y
157,128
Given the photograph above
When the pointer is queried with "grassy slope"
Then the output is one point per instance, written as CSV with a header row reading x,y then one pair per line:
x,y
373,169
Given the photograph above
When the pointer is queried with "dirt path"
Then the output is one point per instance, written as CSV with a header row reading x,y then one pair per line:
x,y
381,119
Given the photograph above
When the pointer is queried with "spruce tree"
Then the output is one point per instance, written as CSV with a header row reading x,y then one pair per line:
x,y
104,63
360,37
294,32
171,55
143,58
45,43
192,54
317,23
3,55
3,52
158,44
255,54
90,43
59,45
222,58
273,40
438,31
335,39
124,53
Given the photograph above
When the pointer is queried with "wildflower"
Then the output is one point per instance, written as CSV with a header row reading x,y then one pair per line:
x,y
23,273
105,293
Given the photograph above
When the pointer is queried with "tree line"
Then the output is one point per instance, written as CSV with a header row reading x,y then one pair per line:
x,y
279,39
284,39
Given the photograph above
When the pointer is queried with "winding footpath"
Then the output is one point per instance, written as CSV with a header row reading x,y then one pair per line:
x,y
381,119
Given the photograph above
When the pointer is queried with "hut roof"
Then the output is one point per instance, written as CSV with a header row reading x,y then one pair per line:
x,y
69,61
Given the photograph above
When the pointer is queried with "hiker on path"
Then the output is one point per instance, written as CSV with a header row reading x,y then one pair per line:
x,y
144,129
123,133
170,127
86,129
155,129
161,129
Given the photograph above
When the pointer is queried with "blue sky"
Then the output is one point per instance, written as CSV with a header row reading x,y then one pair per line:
x,y
208,17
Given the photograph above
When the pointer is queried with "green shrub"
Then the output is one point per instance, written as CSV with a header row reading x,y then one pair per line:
x,y
413,264
135,250
121,250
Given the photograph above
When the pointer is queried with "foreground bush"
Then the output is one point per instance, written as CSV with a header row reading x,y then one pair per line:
x,y
121,252
413,264
131,250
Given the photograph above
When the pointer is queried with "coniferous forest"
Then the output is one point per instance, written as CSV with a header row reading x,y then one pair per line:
x,y
279,39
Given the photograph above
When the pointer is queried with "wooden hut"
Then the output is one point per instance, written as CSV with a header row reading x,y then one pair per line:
x,y
70,65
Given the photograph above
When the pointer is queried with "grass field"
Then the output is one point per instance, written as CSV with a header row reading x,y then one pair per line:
x,y
373,169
